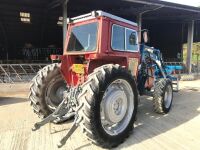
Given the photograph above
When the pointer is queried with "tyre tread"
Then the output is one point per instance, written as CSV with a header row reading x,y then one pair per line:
x,y
36,95
158,95
87,97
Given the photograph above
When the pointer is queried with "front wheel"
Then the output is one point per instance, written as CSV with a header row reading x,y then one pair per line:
x,y
163,96
110,101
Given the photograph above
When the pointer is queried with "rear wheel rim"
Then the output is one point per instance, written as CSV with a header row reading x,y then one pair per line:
x,y
168,96
117,107
54,93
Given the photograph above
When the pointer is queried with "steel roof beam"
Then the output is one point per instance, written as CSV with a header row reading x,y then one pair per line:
x,y
166,4
169,17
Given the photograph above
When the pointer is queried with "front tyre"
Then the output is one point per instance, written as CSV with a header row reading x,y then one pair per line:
x,y
110,101
163,96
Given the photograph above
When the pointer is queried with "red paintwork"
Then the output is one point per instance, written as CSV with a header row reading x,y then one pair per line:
x,y
103,54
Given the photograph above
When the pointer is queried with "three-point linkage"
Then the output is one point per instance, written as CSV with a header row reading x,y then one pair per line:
x,y
63,112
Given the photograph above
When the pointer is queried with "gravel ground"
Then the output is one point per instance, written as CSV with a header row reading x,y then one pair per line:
x,y
180,129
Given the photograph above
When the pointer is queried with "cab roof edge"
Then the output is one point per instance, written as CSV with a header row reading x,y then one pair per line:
x,y
93,14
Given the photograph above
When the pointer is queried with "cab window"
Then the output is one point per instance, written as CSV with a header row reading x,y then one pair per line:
x,y
124,39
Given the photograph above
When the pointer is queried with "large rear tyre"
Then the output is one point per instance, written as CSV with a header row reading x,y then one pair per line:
x,y
46,91
109,99
163,96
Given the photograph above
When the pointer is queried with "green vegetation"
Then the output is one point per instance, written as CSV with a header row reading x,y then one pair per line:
x,y
195,52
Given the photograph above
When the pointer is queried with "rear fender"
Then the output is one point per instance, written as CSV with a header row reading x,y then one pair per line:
x,y
65,67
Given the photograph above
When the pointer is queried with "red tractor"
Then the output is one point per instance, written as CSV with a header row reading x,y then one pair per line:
x,y
103,69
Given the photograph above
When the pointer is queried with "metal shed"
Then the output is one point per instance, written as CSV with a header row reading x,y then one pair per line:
x,y
170,24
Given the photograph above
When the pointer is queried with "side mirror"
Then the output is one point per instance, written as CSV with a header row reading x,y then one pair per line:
x,y
146,36
132,39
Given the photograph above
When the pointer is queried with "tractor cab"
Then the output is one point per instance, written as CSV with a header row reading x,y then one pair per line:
x,y
96,39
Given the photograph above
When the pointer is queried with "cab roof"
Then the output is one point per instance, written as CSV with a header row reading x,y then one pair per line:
x,y
95,14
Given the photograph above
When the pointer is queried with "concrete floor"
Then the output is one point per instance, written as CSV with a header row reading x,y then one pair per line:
x,y
180,129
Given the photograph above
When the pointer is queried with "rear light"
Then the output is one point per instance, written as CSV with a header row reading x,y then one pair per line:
x,y
55,57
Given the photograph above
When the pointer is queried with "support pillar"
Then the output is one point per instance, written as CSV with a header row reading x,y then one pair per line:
x,y
139,21
64,22
190,45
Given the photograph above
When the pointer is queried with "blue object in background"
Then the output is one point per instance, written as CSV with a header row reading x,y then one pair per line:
x,y
170,68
